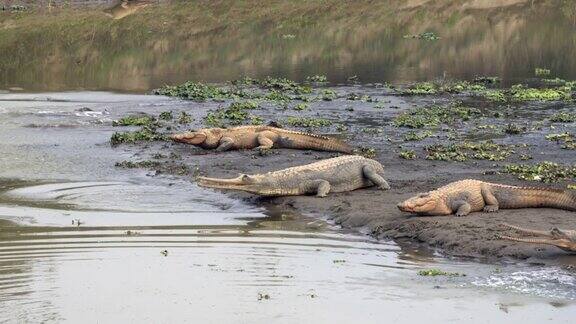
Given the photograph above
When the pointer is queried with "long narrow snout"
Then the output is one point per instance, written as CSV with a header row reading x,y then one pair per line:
x,y
193,138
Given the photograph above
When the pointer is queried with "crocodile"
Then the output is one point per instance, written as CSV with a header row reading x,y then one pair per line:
x,y
563,239
466,196
339,174
260,137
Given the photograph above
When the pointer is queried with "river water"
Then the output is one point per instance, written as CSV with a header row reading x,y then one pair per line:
x,y
82,240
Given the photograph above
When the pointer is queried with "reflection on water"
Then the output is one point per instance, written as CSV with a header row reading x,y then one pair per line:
x,y
125,8
219,41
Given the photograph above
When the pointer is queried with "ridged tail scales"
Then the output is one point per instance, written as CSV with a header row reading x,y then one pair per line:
x,y
296,140
526,197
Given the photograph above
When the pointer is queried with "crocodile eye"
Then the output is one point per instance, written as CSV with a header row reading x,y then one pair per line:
x,y
423,195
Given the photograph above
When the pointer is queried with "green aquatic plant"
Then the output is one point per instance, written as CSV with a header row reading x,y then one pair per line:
x,y
134,121
138,165
563,117
541,72
166,115
407,154
432,116
235,114
367,152
429,36
317,79
514,129
437,272
422,88
566,139
184,118
147,133
194,91
329,95
461,152
520,92
301,106
413,136
544,171
308,122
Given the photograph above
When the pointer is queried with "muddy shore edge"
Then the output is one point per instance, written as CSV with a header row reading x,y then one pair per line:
x,y
372,211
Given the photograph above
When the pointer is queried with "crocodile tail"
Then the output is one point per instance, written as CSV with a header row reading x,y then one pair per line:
x,y
314,142
524,197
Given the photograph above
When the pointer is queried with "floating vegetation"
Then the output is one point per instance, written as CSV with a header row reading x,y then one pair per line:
x,y
520,92
541,72
329,95
235,114
563,118
134,121
138,165
407,154
487,80
432,116
543,172
166,115
413,136
367,152
494,95
422,88
461,152
429,36
308,122
437,272
194,91
147,133
317,79
514,129
301,106
566,139
184,118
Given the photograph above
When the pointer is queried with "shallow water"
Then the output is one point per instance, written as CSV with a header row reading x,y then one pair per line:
x,y
81,240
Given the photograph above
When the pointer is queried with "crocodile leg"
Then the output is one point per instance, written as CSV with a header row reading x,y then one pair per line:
x,y
265,141
462,208
320,187
370,174
491,203
226,143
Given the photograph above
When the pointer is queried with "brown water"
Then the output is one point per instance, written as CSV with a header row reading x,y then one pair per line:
x,y
176,41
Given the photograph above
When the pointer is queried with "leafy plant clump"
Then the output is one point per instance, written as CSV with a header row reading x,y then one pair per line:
x,y
367,152
134,121
194,91
543,172
308,122
522,93
437,272
563,118
138,165
433,116
541,72
566,139
235,114
166,115
407,154
428,36
413,136
464,151
329,95
147,133
317,79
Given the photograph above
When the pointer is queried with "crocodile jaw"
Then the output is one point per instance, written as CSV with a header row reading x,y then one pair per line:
x,y
245,183
425,204
193,138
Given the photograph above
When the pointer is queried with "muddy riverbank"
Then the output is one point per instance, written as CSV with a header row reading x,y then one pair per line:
x,y
497,137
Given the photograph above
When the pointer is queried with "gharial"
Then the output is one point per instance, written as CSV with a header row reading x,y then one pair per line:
x,y
563,239
261,137
344,173
466,196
